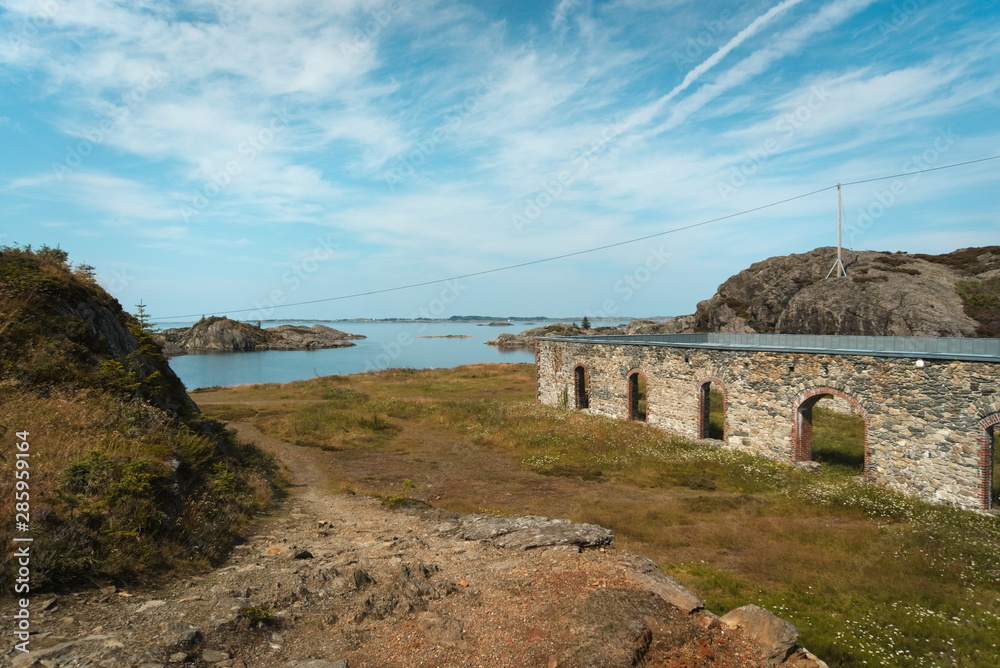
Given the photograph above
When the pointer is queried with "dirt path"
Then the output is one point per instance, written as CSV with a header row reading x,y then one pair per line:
x,y
333,580
307,467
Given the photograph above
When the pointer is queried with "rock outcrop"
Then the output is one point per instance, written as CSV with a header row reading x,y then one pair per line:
x,y
225,335
526,339
676,325
59,328
883,294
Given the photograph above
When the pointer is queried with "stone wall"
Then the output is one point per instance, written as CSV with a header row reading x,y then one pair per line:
x,y
926,420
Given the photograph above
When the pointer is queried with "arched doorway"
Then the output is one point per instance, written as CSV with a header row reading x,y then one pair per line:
x,y
637,405
712,409
830,434
989,436
581,391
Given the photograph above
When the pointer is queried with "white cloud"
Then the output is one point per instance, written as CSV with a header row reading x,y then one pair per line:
x,y
119,200
288,115
562,11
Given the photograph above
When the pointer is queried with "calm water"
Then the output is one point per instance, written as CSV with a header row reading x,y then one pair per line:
x,y
387,345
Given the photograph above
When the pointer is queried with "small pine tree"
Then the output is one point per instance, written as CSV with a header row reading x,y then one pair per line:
x,y
137,372
586,323
87,271
143,318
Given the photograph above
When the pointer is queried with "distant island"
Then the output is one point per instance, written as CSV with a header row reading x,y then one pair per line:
x,y
219,334
447,336
484,319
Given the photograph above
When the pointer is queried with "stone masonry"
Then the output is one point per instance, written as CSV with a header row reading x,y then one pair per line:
x,y
929,419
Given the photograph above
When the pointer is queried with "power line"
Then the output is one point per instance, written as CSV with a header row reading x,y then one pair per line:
x,y
920,171
588,250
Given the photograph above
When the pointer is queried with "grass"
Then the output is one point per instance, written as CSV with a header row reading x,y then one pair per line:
x,y
867,576
981,301
839,440
716,414
637,394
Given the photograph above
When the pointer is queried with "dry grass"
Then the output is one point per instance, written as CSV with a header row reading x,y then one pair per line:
x,y
102,508
867,576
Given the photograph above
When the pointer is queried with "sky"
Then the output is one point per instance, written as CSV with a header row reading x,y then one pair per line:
x,y
244,156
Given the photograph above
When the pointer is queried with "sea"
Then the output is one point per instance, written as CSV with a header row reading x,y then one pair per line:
x,y
416,345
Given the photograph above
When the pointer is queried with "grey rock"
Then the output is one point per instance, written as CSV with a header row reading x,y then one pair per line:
x,y
36,657
803,658
811,466
214,655
150,605
647,574
180,636
775,636
526,532
360,578
485,527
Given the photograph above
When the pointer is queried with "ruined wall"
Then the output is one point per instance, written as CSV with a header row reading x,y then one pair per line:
x,y
925,432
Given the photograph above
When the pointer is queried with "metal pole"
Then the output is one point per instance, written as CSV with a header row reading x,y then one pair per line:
x,y
839,208
838,266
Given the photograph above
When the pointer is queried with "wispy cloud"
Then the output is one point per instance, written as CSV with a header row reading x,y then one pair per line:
x,y
789,41
266,123
743,35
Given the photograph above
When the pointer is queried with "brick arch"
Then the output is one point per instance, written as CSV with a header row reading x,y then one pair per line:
x,y
581,386
986,472
802,422
704,405
632,378
986,406
715,373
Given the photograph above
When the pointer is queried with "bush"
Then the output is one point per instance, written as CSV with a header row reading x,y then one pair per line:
x,y
981,300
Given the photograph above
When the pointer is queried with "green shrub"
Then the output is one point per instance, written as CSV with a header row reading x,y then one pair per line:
x,y
981,301
257,614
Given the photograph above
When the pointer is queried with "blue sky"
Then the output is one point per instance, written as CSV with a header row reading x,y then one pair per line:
x,y
227,155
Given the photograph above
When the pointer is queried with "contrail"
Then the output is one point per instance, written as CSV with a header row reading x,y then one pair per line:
x,y
740,37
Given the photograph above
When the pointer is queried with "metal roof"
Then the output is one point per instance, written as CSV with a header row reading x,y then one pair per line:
x,y
977,350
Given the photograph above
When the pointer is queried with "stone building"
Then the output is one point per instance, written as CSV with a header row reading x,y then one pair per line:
x,y
929,405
